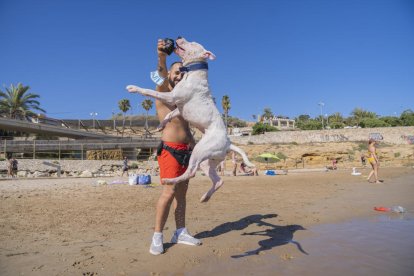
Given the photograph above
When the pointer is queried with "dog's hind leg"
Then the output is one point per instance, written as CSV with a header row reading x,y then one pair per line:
x,y
198,155
209,168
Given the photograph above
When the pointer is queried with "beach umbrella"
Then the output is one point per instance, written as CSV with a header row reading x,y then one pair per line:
x,y
267,157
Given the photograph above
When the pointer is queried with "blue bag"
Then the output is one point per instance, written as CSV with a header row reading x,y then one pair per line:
x,y
144,179
270,172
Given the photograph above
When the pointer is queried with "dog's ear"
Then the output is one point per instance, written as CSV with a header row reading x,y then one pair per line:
x,y
209,55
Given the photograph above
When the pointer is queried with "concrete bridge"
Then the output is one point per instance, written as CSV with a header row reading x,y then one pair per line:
x,y
128,145
53,130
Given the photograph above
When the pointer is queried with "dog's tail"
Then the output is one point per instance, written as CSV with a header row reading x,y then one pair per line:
x,y
243,154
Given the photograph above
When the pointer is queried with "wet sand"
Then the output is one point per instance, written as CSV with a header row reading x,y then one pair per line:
x,y
75,227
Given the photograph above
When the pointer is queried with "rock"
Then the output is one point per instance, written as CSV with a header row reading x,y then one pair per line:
x,y
86,174
40,174
22,174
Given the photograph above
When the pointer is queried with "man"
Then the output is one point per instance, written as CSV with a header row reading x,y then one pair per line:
x,y
176,137
125,166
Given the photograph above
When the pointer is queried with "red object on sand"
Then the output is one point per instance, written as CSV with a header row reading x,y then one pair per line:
x,y
382,209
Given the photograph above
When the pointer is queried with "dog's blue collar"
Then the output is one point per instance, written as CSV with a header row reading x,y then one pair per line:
x,y
194,66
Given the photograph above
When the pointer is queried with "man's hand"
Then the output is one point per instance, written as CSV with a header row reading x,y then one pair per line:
x,y
162,59
160,48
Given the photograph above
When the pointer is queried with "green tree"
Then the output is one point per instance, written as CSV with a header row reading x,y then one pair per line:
x,y
336,117
260,128
225,103
372,122
124,105
336,125
312,124
236,122
147,105
16,102
407,118
359,114
391,120
267,113
303,118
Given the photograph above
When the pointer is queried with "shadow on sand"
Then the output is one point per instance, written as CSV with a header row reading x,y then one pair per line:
x,y
278,235
231,226
236,225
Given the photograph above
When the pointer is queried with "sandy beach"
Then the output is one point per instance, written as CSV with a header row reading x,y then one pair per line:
x,y
76,227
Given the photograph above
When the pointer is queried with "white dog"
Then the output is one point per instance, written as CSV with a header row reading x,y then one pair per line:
x,y
195,104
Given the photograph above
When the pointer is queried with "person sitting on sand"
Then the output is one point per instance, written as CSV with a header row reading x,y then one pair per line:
x,y
334,162
246,170
373,160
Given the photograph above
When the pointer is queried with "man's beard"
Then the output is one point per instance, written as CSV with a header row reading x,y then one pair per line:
x,y
171,82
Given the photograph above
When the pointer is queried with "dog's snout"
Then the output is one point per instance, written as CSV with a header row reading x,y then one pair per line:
x,y
179,37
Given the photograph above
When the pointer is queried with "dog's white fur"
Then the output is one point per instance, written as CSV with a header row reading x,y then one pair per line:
x,y
195,104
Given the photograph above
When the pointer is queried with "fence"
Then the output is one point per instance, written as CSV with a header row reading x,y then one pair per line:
x,y
56,149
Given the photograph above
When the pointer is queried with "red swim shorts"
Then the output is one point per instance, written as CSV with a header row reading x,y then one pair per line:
x,y
169,167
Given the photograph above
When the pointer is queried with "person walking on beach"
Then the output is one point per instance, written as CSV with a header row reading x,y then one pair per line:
x,y
373,160
125,166
173,156
14,167
10,167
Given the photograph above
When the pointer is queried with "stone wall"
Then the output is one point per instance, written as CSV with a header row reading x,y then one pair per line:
x,y
76,168
390,135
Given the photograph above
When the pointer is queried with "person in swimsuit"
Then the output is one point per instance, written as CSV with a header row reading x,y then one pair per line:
x,y
373,160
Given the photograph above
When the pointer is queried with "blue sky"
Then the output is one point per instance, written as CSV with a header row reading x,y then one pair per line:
x,y
79,55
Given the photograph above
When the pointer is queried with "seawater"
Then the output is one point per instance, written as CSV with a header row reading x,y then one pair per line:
x,y
380,245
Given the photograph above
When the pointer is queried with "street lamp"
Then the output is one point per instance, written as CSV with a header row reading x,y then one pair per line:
x,y
113,118
321,104
93,114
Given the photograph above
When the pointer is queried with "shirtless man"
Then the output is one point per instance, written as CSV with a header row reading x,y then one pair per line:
x,y
176,135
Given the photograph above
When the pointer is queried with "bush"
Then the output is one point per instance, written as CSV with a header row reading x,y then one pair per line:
x,y
281,155
310,125
336,125
260,128
235,122
363,146
133,166
407,118
372,122
397,154
392,121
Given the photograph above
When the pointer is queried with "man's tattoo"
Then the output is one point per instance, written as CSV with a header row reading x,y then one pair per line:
x,y
160,69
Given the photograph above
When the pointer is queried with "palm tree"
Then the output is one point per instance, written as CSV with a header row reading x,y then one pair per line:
x,y
267,113
147,105
225,103
15,102
336,117
358,114
124,106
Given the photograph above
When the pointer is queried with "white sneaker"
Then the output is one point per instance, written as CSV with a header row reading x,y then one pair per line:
x,y
157,246
185,238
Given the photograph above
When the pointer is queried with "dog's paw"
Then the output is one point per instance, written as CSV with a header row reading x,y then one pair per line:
x,y
205,198
133,89
160,127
